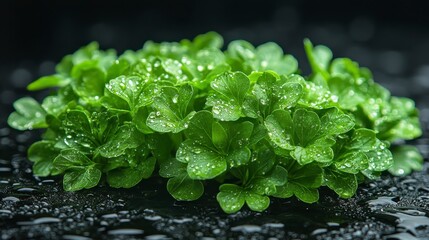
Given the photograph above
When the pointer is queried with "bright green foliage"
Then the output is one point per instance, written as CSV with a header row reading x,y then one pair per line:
x,y
196,115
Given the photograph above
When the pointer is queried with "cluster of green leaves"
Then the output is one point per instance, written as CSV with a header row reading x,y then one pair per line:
x,y
243,118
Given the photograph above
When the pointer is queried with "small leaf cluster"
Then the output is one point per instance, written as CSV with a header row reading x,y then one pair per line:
x,y
243,118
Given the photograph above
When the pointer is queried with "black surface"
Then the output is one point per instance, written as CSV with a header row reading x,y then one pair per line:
x,y
391,40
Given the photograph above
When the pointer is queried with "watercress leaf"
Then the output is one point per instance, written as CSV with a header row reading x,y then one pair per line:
x,y
379,158
259,133
171,168
316,96
303,193
333,122
239,157
345,67
363,139
172,114
78,131
80,178
256,202
219,136
306,125
207,40
126,137
309,175
278,176
231,198
88,80
262,162
344,184
71,158
203,162
406,159
207,165
200,128
280,128
238,133
131,89
128,177
142,113
319,58
270,56
230,89
306,155
55,80
288,94
28,115
349,95
408,128
183,188
42,153
262,186
352,162
118,68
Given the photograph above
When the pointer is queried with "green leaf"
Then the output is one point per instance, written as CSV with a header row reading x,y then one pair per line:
x,y
42,153
203,163
183,188
270,56
270,93
238,157
319,58
227,102
262,162
172,110
200,128
363,139
126,137
55,80
208,40
78,131
306,125
306,155
352,162
257,202
333,122
219,136
28,115
231,198
88,80
171,168
279,176
71,159
80,178
303,182
349,93
280,129
303,193
131,89
406,159
344,184
379,158
130,176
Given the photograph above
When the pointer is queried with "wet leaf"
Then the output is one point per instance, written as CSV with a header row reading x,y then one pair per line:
x,y
28,115
406,159
344,184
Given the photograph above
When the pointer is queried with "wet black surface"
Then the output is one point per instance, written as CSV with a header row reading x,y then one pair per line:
x,y
38,208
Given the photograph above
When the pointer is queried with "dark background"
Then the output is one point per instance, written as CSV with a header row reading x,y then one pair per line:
x,y
391,38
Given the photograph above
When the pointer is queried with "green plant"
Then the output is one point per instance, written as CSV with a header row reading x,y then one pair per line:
x,y
244,118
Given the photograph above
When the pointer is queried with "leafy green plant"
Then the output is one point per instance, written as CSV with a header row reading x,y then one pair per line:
x,y
244,119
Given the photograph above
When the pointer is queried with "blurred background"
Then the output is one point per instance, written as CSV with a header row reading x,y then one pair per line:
x,y
391,38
